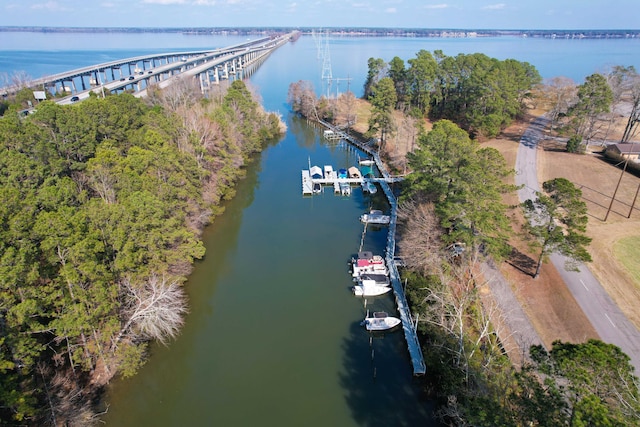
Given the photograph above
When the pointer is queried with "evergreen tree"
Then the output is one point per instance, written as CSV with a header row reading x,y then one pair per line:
x,y
557,219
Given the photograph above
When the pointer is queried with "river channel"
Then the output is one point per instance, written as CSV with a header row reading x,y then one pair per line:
x,y
273,336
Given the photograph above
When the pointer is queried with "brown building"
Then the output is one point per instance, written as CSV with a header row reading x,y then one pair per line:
x,y
624,151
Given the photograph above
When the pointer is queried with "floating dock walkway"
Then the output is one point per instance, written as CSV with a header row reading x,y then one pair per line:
x,y
408,326
307,183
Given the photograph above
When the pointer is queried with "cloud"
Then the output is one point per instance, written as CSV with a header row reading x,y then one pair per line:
x,y
163,2
391,10
437,6
50,5
497,6
205,2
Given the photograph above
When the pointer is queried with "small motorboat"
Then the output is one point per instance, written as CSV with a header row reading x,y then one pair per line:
x,y
369,187
380,321
316,172
373,290
345,189
375,217
317,188
368,263
354,172
371,285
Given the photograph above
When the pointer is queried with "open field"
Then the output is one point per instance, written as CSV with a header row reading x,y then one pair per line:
x,y
621,250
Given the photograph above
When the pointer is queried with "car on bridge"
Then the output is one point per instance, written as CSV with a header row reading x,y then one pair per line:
x,y
74,99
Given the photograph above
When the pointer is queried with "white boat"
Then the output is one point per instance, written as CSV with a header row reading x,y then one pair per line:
x,y
317,188
369,187
316,172
370,290
373,279
371,285
375,217
367,263
380,321
345,189
367,162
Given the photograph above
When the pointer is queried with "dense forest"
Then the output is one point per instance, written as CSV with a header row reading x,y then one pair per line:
x,y
480,94
452,218
103,203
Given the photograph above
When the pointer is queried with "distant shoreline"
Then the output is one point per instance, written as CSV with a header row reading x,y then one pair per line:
x,y
347,32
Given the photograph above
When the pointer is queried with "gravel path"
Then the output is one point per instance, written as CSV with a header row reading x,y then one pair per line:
x,y
522,333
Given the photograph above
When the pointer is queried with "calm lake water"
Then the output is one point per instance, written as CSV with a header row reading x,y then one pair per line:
x,y
273,335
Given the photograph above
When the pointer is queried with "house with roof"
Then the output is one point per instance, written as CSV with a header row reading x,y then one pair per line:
x,y
626,151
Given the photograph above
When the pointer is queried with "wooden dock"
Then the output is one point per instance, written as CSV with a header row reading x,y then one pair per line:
x,y
410,334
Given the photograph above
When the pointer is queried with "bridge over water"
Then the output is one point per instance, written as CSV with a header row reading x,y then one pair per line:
x,y
137,74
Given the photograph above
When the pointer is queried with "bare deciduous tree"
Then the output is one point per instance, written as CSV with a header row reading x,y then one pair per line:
x,y
420,244
154,309
346,110
20,79
561,93
303,99
183,92
454,301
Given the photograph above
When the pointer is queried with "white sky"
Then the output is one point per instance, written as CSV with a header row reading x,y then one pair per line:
x,y
461,14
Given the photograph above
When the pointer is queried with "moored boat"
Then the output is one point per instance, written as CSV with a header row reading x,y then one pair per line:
x,y
369,187
316,172
345,189
375,217
371,285
380,321
367,263
370,290
354,172
373,279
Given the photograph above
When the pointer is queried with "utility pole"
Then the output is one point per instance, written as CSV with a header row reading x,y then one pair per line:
x,y
624,169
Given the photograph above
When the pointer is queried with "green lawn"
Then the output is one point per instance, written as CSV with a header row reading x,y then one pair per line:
x,y
626,250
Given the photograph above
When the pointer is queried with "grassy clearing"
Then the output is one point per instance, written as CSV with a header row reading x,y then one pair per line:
x,y
624,249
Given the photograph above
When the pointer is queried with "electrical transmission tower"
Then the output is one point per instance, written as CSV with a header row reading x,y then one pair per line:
x,y
327,75
322,44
